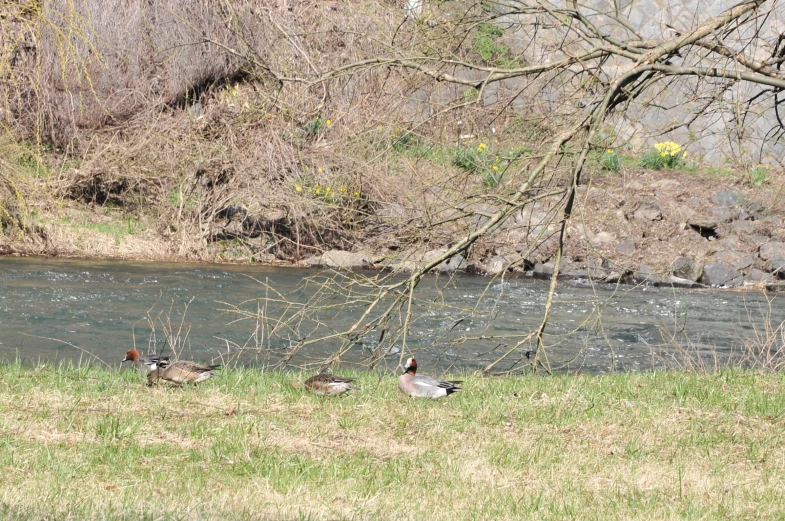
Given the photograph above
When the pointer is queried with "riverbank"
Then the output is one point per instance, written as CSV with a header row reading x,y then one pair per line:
x,y
672,228
98,444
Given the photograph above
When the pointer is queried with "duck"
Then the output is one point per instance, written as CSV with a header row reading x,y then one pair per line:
x,y
182,372
424,386
329,385
151,360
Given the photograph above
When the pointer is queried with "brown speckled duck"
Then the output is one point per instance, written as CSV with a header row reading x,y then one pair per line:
x,y
329,385
182,372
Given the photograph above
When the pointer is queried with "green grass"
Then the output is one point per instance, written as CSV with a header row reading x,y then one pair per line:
x,y
486,45
117,230
98,444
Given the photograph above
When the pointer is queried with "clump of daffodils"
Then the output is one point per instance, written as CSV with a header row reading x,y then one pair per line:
x,y
668,155
338,194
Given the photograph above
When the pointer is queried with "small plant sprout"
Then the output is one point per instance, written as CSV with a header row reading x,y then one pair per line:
x,y
610,161
759,174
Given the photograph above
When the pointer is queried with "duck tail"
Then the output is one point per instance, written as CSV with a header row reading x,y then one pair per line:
x,y
454,389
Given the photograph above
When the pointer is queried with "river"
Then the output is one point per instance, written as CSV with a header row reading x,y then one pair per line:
x,y
57,309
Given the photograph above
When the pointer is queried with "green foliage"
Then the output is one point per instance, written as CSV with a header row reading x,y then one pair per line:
x,y
485,44
482,161
468,158
652,160
610,161
666,155
117,230
759,175
316,127
403,140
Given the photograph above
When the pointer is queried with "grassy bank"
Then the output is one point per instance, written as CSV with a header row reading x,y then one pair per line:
x,y
86,443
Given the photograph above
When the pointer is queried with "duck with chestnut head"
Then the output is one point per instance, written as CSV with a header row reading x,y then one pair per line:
x,y
150,361
424,386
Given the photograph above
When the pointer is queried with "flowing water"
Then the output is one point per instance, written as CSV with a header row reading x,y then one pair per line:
x,y
70,309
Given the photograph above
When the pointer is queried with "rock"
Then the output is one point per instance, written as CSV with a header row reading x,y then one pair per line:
x,y
725,198
646,274
755,276
777,267
721,274
722,213
615,277
496,265
758,240
340,259
742,228
755,210
648,211
737,259
579,230
626,247
707,228
740,214
542,271
666,184
677,282
603,238
580,273
686,268
453,264
772,250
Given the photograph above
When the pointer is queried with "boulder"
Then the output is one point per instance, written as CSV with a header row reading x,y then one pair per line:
x,y
755,210
340,259
722,213
453,264
706,227
777,267
720,273
677,282
614,277
496,265
543,271
725,198
742,228
646,274
648,211
772,250
580,273
758,240
755,276
737,259
686,268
